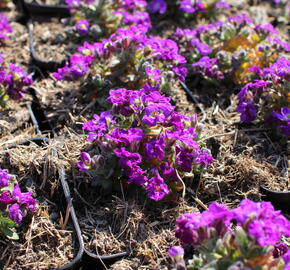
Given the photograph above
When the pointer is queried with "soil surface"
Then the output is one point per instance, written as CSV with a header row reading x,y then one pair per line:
x,y
50,41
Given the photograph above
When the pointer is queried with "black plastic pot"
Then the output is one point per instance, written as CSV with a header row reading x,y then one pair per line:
x,y
90,261
38,115
41,63
76,263
38,10
279,199
97,262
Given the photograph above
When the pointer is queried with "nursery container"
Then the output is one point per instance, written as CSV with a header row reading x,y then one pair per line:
x,y
90,260
76,262
45,65
280,199
33,10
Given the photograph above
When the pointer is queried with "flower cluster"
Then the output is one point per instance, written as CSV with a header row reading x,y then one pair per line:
x,y
226,50
105,17
155,146
5,27
13,81
205,7
268,97
14,204
128,58
247,237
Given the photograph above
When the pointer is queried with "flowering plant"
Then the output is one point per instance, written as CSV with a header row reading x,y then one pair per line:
x,y
104,17
128,58
154,146
268,97
206,8
247,237
13,81
226,50
14,205
5,27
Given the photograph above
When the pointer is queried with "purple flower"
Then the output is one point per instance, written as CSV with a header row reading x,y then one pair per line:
x,y
286,258
186,228
156,113
203,158
16,214
24,199
242,19
159,6
222,5
5,198
79,65
98,126
126,137
4,178
195,228
248,112
217,216
122,99
262,222
208,67
5,27
188,7
82,26
176,252
155,148
266,29
129,162
184,159
280,250
168,172
154,75
157,187
282,120
85,163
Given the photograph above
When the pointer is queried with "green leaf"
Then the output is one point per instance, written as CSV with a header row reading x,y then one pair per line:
x,y
10,233
242,240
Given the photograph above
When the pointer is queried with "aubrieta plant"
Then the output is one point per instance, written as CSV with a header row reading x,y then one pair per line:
x,y
226,50
13,82
144,141
14,205
100,18
247,237
5,27
268,98
128,58
205,8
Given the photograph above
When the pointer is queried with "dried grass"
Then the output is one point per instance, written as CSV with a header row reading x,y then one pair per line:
x,y
43,243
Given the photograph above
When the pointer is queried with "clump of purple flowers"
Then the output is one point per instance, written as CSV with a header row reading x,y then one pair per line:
x,y
14,205
246,237
128,58
101,18
226,50
144,140
268,97
5,27
188,7
13,82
